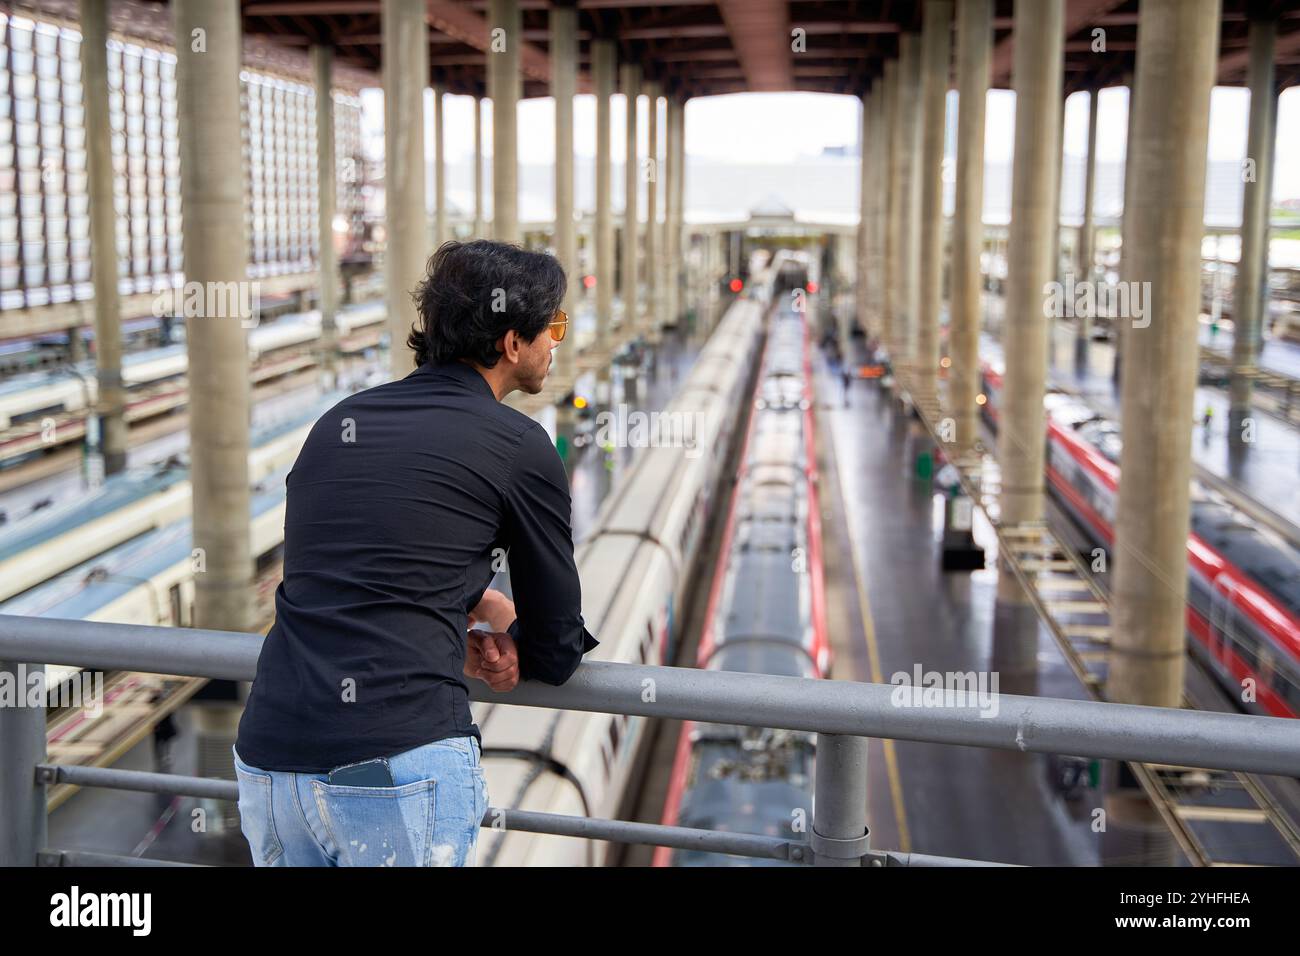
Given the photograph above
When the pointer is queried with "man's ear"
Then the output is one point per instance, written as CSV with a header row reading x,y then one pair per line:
x,y
509,346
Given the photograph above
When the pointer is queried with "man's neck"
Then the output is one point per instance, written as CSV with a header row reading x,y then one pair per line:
x,y
496,377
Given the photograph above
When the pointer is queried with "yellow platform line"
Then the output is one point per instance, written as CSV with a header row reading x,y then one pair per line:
x,y
873,651
878,677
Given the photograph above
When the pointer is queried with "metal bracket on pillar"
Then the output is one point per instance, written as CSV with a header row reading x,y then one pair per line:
x,y
830,848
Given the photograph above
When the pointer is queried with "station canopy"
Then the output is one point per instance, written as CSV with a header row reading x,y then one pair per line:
x,y
697,48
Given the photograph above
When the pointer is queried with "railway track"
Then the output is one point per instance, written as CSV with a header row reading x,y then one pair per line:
x,y
133,704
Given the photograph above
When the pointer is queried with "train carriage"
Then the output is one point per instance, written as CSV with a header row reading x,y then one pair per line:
x,y
765,616
1243,594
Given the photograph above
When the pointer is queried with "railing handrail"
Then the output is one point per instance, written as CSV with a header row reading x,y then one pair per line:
x,y
1081,728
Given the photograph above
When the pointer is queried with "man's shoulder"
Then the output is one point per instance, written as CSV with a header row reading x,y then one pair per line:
x,y
516,420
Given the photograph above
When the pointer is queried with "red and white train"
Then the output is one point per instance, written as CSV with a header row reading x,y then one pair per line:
x,y
766,614
1243,595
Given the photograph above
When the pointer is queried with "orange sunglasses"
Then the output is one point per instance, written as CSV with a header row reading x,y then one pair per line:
x,y
559,326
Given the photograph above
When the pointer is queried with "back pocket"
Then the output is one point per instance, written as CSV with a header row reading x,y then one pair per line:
x,y
256,819
378,826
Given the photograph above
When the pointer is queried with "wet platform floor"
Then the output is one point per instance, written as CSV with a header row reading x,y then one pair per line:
x,y
892,608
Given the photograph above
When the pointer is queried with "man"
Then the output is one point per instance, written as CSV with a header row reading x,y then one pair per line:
x,y
356,747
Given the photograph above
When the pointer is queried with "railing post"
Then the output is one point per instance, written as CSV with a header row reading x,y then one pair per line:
x,y
22,742
840,836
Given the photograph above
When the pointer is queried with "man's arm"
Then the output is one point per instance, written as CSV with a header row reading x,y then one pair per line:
x,y
549,630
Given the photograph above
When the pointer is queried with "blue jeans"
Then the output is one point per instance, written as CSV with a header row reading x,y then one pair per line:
x,y
430,817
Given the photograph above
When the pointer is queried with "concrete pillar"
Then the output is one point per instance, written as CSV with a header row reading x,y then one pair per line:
x,y
863,278
208,59
1087,239
406,65
564,84
868,271
76,345
602,79
630,80
1252,265
503,89
322,58
1083,326
1126,237
1176,65
110,406
893,213
881,187
674,180
667,280
439,169
974,56
653,234
478,167
909,196
935,55
1060,174
1036,76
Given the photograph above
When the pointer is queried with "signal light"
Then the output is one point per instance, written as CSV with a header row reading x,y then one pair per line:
x,y
811,287
579,402
736,285
588,282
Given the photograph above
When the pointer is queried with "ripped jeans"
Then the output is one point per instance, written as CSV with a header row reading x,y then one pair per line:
x,y
430,817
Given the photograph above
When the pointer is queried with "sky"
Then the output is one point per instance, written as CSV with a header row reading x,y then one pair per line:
x,y
777,128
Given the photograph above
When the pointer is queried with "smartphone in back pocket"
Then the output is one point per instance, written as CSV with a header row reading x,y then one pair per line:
x,y
367,773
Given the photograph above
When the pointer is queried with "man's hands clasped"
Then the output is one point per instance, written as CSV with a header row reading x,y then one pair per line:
x,y
491,656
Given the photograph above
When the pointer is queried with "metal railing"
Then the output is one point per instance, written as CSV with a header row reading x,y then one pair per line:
x,y
843,714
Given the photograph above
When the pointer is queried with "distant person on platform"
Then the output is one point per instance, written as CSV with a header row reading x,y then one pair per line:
x,y
357,747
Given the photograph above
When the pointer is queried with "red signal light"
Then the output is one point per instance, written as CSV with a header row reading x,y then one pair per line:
x,y
736,285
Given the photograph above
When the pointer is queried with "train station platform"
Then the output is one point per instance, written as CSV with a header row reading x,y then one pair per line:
x,y
898,610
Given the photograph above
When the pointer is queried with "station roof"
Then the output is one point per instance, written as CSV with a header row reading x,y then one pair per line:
x,y
707,47
704,47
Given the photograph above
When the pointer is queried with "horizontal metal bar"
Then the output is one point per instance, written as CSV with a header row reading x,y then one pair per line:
x,y
653,834
140,781
925,859
95,645
85,858
528,821
1028,724
618,831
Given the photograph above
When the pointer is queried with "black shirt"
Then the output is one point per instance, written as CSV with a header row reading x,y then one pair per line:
x,y
400,507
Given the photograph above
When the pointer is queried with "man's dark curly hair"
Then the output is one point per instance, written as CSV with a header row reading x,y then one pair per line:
x,y
475,292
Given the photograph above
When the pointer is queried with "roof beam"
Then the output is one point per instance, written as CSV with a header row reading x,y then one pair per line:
x,y
461,23
1232,66
311,8
760,32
